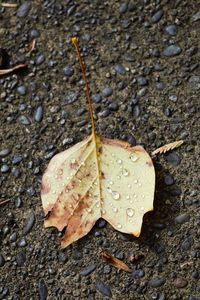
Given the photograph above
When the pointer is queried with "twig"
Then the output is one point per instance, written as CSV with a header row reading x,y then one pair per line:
x,y
4,202
7,71
10,5
32,46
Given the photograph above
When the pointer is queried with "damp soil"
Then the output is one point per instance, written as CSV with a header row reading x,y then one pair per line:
x,y
142,62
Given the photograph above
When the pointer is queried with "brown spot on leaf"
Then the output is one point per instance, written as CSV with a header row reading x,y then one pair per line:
x,y
149,163
45,187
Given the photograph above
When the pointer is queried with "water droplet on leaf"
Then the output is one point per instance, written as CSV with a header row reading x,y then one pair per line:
x,y
115,195
119,226
125,172
130,212
133,157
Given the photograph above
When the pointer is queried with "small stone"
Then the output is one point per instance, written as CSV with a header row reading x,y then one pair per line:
x,y
24,120
180,282
173,158
88,270
113,106
62,257
20,259
4,152
195,275
101,223
38,116
42,288
173,98
196,17
22,243
17,159
24,9
68,71
142,81
171,30
194,82
186,244
13,237
5,169
160,86
70,97
123,8
120,69
172,50
21,90
2,260
138,273
34,33
96,98
107,269
132,140
157,282
168,112
169,179
157,16
104,289
107,92
30,221
182,218
142,92
105,113
40,59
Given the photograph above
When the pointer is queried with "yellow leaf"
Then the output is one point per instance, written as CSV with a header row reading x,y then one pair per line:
x,y
96,178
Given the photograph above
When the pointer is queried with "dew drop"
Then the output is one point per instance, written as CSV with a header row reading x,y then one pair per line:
x,y
119,161
111,182
119,225
89,194
54,192
66,190
70,206
89,210
142,208
131,221
128,197
113,155
82,163
139,184
97,205
73,161
115,209
60,172
143,196
129,186
131,201
63,184
115,195
103,212
118,177
130,212
109,190
95,183
56,177
135,181
125,172
133,157
67,178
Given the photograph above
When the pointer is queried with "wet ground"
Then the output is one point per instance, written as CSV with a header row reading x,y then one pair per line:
x,y
143,65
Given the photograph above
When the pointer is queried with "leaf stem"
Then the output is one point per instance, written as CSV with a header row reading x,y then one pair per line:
x,y
75,42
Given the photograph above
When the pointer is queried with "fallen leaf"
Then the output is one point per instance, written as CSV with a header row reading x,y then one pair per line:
x,y
110,259
7,71
168,147
97,178
10,5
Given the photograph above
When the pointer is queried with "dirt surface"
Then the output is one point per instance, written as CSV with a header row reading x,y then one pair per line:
x,y
143,66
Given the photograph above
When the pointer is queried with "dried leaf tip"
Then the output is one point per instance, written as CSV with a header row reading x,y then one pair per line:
x,y
168,147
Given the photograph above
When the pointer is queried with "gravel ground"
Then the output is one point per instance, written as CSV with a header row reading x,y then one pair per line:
x,y
143,66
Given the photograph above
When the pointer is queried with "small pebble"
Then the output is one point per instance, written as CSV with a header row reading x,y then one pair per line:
x,y
172,50
42,288
88,270
169,179
24,120
2,260
157,16
107,92
171,29
104,289
22,243
173,158
24,9
38,115
68,71
182,218
120,69
34,33
138,273
22,90
30,221
157,282
180,282
20,259
101,223
40,59
142,81
123,8
4,152
5,169
96,98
